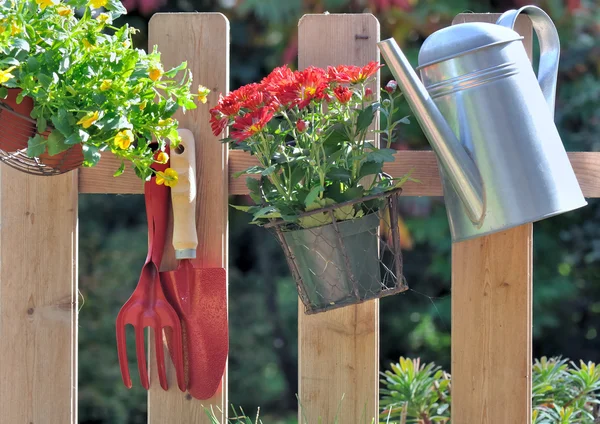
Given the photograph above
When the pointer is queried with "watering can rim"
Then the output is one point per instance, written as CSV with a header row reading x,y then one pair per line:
x,y
452,56
473,36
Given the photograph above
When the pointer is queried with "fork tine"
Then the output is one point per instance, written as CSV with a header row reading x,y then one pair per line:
x,y
160,358
141,356
177,354
122,353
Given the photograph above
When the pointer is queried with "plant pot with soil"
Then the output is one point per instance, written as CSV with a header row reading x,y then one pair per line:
x,y
319,181
73,86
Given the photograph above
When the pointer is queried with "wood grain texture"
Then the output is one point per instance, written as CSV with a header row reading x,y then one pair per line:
x,y
100,180
38,298
338,351
491,328
423,164
492,284
201,39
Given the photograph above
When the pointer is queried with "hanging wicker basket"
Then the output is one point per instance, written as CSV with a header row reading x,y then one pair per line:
x,y
345,261
16,128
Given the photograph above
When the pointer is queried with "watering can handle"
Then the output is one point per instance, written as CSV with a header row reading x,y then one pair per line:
x,y
549,47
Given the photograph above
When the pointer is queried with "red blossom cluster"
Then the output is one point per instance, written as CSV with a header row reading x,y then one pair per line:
x,y
250,108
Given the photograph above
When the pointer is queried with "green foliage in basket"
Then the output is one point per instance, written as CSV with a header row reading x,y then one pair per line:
x,y
311,133
563,392
89,83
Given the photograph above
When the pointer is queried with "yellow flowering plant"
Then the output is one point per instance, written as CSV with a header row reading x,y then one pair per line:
x,y
88,83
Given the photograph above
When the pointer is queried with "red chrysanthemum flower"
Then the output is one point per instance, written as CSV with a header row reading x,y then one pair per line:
x,y
342,93
227,108
256,100
338,74
218,121
353,74
243,93
310,85
251,123
278,78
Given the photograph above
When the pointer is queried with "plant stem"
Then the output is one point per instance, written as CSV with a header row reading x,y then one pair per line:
x,y
274,178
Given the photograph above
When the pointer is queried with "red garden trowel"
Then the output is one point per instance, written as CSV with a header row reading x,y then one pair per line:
x,y
199,295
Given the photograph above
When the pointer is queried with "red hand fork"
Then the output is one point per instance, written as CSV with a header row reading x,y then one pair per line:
x,y
147,306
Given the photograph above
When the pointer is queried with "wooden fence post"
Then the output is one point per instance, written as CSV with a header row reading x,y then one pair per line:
x,y
338,350
201,39
38,298
492,315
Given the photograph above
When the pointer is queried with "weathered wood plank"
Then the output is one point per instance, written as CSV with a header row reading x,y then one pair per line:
x,y
491,328
203,40
492,284
338,350
38,298
422,163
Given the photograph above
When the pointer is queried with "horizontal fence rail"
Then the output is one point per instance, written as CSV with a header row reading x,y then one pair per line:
x,y
422,163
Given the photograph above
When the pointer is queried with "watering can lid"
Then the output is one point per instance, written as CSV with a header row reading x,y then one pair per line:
x,y
460,39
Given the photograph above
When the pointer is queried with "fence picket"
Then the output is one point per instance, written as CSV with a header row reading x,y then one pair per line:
x,y
201,39
339,350
492,315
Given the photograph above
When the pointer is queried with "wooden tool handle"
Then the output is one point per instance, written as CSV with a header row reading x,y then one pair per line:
x,y
183,197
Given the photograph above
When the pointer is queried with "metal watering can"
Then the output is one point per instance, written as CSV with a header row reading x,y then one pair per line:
x,y
491,122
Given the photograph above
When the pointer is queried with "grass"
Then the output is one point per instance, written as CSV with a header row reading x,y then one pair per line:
x,y
240,417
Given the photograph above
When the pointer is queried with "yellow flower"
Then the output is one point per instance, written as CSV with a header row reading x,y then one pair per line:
x,y
44,3
15,29
203,93
104,18
169,178
143,104
6,75
64,11
89,119
162,157
124,139
96,4
165,122
106,85
87,44
156,72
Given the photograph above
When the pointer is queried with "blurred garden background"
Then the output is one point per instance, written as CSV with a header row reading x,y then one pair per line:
x,y
263,300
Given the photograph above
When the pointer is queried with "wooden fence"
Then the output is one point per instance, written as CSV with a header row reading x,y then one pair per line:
x,y
338,350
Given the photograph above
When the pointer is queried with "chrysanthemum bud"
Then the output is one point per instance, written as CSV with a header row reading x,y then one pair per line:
x,y
302,125
391,86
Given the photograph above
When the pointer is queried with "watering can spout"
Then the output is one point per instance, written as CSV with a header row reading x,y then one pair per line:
x,y
452,156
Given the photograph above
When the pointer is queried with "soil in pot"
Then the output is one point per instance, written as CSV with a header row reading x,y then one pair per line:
x,y
334,271
15,129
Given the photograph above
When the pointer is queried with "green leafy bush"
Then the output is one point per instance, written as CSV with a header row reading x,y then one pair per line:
x,y
421,393
563,392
